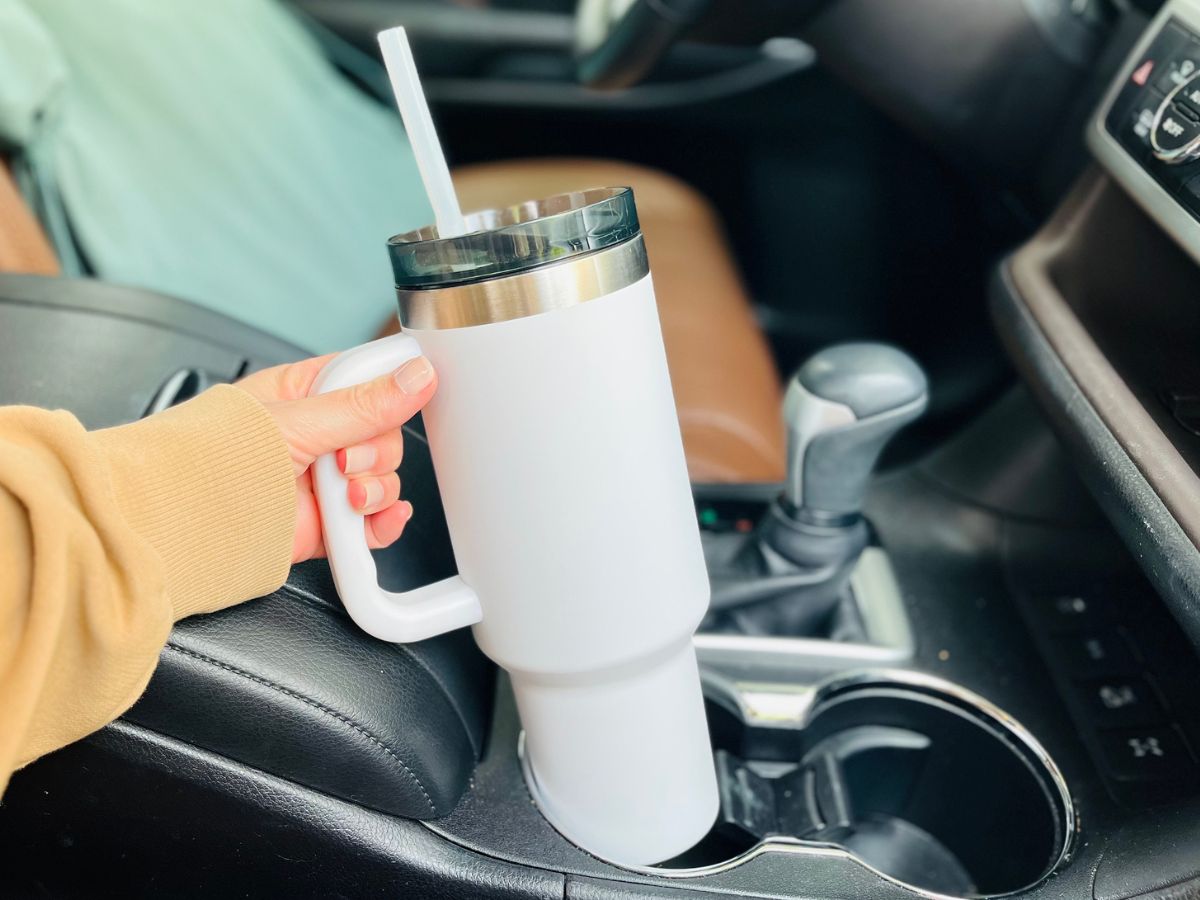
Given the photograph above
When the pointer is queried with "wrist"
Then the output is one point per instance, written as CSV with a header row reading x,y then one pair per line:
x,y
209,484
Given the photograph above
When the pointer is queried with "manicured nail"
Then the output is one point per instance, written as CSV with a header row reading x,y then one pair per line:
x,y
359,459
372,493
415,375
407,508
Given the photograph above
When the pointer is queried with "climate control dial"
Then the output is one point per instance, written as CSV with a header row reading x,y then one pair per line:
x,y
1175,135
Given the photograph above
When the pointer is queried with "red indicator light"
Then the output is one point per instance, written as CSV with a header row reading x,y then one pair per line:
x,y
744,525
1142,73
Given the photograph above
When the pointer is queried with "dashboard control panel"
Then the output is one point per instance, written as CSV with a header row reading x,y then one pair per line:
x,y
1156,115
1147,130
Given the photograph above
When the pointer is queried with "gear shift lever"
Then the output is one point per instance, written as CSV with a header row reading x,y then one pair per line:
x,y
841,408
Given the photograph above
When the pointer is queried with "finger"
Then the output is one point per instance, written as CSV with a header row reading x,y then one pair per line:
x,y
288,382
386,526
344,418
377,456
373,493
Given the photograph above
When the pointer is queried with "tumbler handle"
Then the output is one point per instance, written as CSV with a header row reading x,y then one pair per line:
x,y
398,617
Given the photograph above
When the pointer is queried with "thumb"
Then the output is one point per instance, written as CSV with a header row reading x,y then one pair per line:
x,y
317,425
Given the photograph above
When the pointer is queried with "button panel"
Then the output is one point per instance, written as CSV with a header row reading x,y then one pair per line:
x,y
1127,674
1156,114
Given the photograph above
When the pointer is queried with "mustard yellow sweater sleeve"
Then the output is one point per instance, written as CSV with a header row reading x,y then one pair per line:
x,y
109,537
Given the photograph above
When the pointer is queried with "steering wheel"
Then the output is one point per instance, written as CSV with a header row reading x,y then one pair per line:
x,y
618,41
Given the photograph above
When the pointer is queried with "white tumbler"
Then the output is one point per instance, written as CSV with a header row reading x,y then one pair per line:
x,y
557,450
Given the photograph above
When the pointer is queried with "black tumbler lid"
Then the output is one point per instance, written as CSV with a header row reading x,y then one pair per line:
x,y
515,238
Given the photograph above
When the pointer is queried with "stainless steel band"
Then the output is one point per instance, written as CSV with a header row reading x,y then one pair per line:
x,y
543,289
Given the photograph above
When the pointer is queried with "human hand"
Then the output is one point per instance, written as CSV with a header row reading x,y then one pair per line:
x,y
362,424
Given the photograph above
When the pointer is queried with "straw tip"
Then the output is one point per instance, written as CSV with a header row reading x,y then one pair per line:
x,y
395,34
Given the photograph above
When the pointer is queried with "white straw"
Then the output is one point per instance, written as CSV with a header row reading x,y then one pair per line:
x,y
427,149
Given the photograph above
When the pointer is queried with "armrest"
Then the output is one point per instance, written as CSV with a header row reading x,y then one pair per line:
x,y
288,685
285,684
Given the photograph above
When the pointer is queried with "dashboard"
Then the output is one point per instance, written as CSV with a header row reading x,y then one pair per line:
x,y
1146,132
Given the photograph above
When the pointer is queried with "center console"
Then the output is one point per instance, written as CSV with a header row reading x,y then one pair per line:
x,y
998,691
993,700
1098,308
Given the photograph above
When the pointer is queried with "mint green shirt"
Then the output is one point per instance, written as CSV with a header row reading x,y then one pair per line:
x,y
209,150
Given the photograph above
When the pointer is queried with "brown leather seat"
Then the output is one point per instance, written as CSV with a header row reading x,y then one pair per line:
x,y
727,389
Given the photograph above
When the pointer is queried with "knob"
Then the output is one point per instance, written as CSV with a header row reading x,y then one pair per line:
x,y
841,408
1175,134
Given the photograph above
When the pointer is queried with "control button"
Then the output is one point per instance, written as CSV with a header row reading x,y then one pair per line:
x,y
1188,99
1143,115
1184,111
1142,73
1179,69
1094,653
1146,754
1175,137
1121,702
1076,612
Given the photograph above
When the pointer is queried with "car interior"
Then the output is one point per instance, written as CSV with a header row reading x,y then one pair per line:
x,y
927,272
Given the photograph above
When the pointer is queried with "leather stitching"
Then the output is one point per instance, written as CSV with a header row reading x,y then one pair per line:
x,y
307,701
450,697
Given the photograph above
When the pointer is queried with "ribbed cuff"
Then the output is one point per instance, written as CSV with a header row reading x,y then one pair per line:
x,y
209,484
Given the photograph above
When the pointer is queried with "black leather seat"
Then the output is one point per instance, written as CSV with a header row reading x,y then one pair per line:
x,y
290,686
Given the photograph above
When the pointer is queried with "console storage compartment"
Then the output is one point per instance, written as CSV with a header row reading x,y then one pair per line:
x,y
1100,311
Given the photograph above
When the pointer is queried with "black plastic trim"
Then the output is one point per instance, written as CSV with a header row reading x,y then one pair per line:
x,y
1162,549
140,305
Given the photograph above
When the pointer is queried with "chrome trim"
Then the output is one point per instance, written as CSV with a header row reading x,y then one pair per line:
x,y
1188,151
807,704
539,290
889,642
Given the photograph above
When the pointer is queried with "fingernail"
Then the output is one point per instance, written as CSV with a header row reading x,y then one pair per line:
x,y
414,376
359,459
408,510
372,493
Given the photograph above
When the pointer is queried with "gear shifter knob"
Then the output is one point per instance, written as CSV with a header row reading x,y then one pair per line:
x,y
841,408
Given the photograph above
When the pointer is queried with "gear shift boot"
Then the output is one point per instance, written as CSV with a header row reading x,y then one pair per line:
x,y
788,577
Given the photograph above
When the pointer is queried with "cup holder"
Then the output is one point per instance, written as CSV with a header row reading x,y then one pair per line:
x,y
913,777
